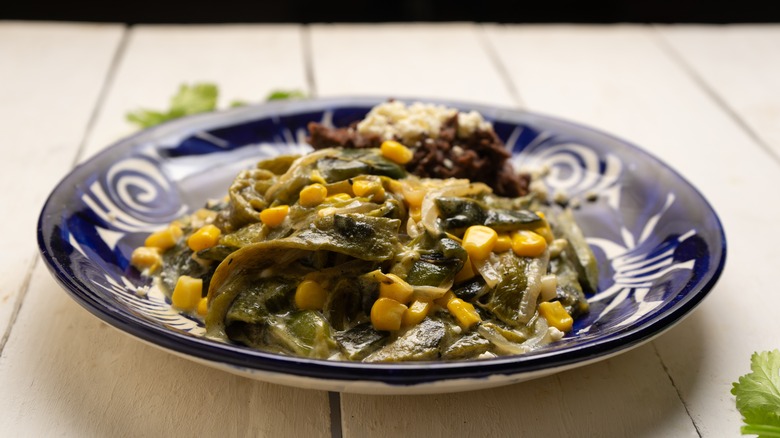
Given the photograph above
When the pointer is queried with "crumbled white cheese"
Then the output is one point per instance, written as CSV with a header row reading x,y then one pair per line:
x,y
394,119
470,122
552,335
142,291
486,355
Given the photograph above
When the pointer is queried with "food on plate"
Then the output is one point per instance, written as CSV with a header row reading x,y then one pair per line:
x,y
372,254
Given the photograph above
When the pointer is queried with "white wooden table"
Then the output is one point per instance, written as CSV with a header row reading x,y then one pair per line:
x,y
704,99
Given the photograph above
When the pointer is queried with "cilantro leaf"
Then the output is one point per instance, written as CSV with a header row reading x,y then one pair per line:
x,y
285,94
194,99
758,395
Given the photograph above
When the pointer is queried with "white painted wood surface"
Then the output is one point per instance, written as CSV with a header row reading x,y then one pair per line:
x,y
50,79
62,372
725,58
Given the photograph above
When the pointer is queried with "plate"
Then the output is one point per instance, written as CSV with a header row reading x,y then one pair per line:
x,y
659,243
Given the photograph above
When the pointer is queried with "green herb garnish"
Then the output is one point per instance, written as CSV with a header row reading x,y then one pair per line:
x,y
285,94
758,395
194,99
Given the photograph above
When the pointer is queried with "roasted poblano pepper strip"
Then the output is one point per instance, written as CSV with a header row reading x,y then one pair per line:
x,y
438,267
459,213
420,342
305,333
578,251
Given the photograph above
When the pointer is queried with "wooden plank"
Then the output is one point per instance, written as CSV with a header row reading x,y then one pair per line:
x,y
245,62
50,80
623,80
63,370
584,402
740,64
444,61
581,402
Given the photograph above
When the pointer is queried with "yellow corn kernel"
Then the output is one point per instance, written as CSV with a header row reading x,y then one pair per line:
x,y
544,230
445,299
206,237
310,295
387,313
464,312
415,313
187,293
528,244
146,257
414,195
396,152
274,216
415,213
369,188
393,286
312,195
556,315
503,243
479,241
203,306
164,239
466,272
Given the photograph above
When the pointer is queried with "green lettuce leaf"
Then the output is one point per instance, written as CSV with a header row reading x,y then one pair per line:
x,y
758,395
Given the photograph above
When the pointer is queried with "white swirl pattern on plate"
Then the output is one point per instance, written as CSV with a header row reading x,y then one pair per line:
x,y
133,196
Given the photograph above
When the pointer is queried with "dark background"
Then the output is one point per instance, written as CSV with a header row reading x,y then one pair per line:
x,y
308,11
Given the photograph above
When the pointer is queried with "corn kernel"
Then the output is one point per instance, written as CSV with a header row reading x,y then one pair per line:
x,y
146,257
466,272
393,286
386,314
503,243
556,315
310,295
415,213
164,239
544,230
464,312
274,216
187,293
414,195
312,195
528,244
445,299
415,313
369,188
479,241
396,152
203,306
206,237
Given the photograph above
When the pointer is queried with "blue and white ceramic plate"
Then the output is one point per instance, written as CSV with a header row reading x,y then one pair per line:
x,y
659,243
